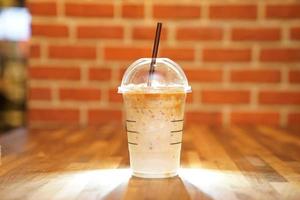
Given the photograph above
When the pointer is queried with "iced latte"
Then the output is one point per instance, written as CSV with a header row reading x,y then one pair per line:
x,y
154,117
154,127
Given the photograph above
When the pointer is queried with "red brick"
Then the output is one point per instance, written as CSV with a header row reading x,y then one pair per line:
x,y
39,93
72,52
295,33
199,33
226,55
204,75
186,54
126,53
207,118
225,96
99,116
256,34
42,8
254,117
79,94
279,97
230,12
121,73
190,97
294,76
176,11
255,76
294,119
132,53
147,33
132,10
46,72
280,55
49,30
114,96
283,11
89,10
57,115
94,32
35,51
99,74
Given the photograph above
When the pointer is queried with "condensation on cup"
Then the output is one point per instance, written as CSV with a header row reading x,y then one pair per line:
x,y
154,116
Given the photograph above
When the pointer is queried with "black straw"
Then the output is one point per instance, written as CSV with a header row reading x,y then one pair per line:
x,y
154,52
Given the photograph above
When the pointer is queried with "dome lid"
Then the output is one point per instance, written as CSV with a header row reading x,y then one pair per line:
x,y
167,75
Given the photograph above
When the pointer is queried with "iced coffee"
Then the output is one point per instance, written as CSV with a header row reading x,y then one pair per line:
x,y
154,118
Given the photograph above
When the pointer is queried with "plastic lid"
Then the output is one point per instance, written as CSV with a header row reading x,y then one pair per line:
x,y
167,75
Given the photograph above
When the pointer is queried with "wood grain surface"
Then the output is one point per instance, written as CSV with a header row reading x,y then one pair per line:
x,y
92,163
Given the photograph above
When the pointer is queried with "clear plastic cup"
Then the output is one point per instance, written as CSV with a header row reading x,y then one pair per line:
x,y
154,116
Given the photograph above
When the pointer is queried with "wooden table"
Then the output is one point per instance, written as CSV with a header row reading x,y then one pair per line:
x,y
92,163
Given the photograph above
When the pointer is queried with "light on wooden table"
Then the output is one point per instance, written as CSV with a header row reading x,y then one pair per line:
x,y
217,163
70,184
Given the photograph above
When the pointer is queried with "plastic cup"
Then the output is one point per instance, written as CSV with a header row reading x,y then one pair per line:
x,y
154,116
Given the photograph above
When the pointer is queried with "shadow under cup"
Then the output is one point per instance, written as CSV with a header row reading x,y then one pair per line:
x,y
154,125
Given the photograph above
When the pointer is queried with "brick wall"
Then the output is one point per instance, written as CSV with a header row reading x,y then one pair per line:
x,y
242,58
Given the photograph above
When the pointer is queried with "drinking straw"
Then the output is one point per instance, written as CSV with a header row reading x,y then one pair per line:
x,y
154,52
